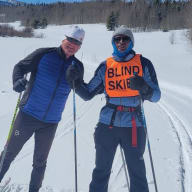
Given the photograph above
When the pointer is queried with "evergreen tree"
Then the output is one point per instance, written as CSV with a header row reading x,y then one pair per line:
x,y
112,21
44,23
35,24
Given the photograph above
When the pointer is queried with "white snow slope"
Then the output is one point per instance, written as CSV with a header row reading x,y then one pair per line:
x,y
169,121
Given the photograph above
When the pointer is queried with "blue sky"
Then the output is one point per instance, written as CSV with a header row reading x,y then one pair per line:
x,y
47,1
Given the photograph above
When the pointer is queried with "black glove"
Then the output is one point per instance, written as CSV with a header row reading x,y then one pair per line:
x,y
138,83
73,73
20,85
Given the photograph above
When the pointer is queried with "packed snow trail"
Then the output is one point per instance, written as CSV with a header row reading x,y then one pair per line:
x,y
185,143
169,122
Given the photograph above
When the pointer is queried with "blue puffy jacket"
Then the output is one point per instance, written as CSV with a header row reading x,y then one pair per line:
x,y
47,90
97,85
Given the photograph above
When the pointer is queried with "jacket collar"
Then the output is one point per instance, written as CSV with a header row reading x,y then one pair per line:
x,y
62,54
126,58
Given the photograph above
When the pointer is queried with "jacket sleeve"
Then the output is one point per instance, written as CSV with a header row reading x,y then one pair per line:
x,y
28,64
95,86
80,66
150,78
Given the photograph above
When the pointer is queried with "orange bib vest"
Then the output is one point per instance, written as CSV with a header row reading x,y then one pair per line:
x,y
117,75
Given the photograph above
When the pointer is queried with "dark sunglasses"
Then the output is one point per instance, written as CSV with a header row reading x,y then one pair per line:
x,y
121,38
74,41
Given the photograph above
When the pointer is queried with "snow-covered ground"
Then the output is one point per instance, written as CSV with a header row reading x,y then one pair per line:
x,y
169,121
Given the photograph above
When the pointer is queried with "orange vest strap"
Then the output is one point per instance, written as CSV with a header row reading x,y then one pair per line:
x,y
134,132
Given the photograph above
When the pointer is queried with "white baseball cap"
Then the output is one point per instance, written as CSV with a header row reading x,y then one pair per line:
x,y
75,32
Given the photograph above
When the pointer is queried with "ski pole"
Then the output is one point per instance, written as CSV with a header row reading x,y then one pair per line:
x,y
10,132
124,166
148,144
75,138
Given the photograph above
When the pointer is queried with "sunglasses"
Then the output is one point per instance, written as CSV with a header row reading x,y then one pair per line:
x,y
74,41
121,38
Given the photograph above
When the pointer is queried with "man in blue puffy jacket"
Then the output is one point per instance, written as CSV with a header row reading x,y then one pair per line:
x,y
43,101
126,79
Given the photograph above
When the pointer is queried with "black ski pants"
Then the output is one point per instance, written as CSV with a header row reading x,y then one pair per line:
x,y
24,127
106,142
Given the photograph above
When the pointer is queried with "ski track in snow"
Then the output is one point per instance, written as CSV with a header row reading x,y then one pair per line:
x,y
184,91
178,125
184,138
185,144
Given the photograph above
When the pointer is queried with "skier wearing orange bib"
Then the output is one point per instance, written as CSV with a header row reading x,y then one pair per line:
x,y
127,79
